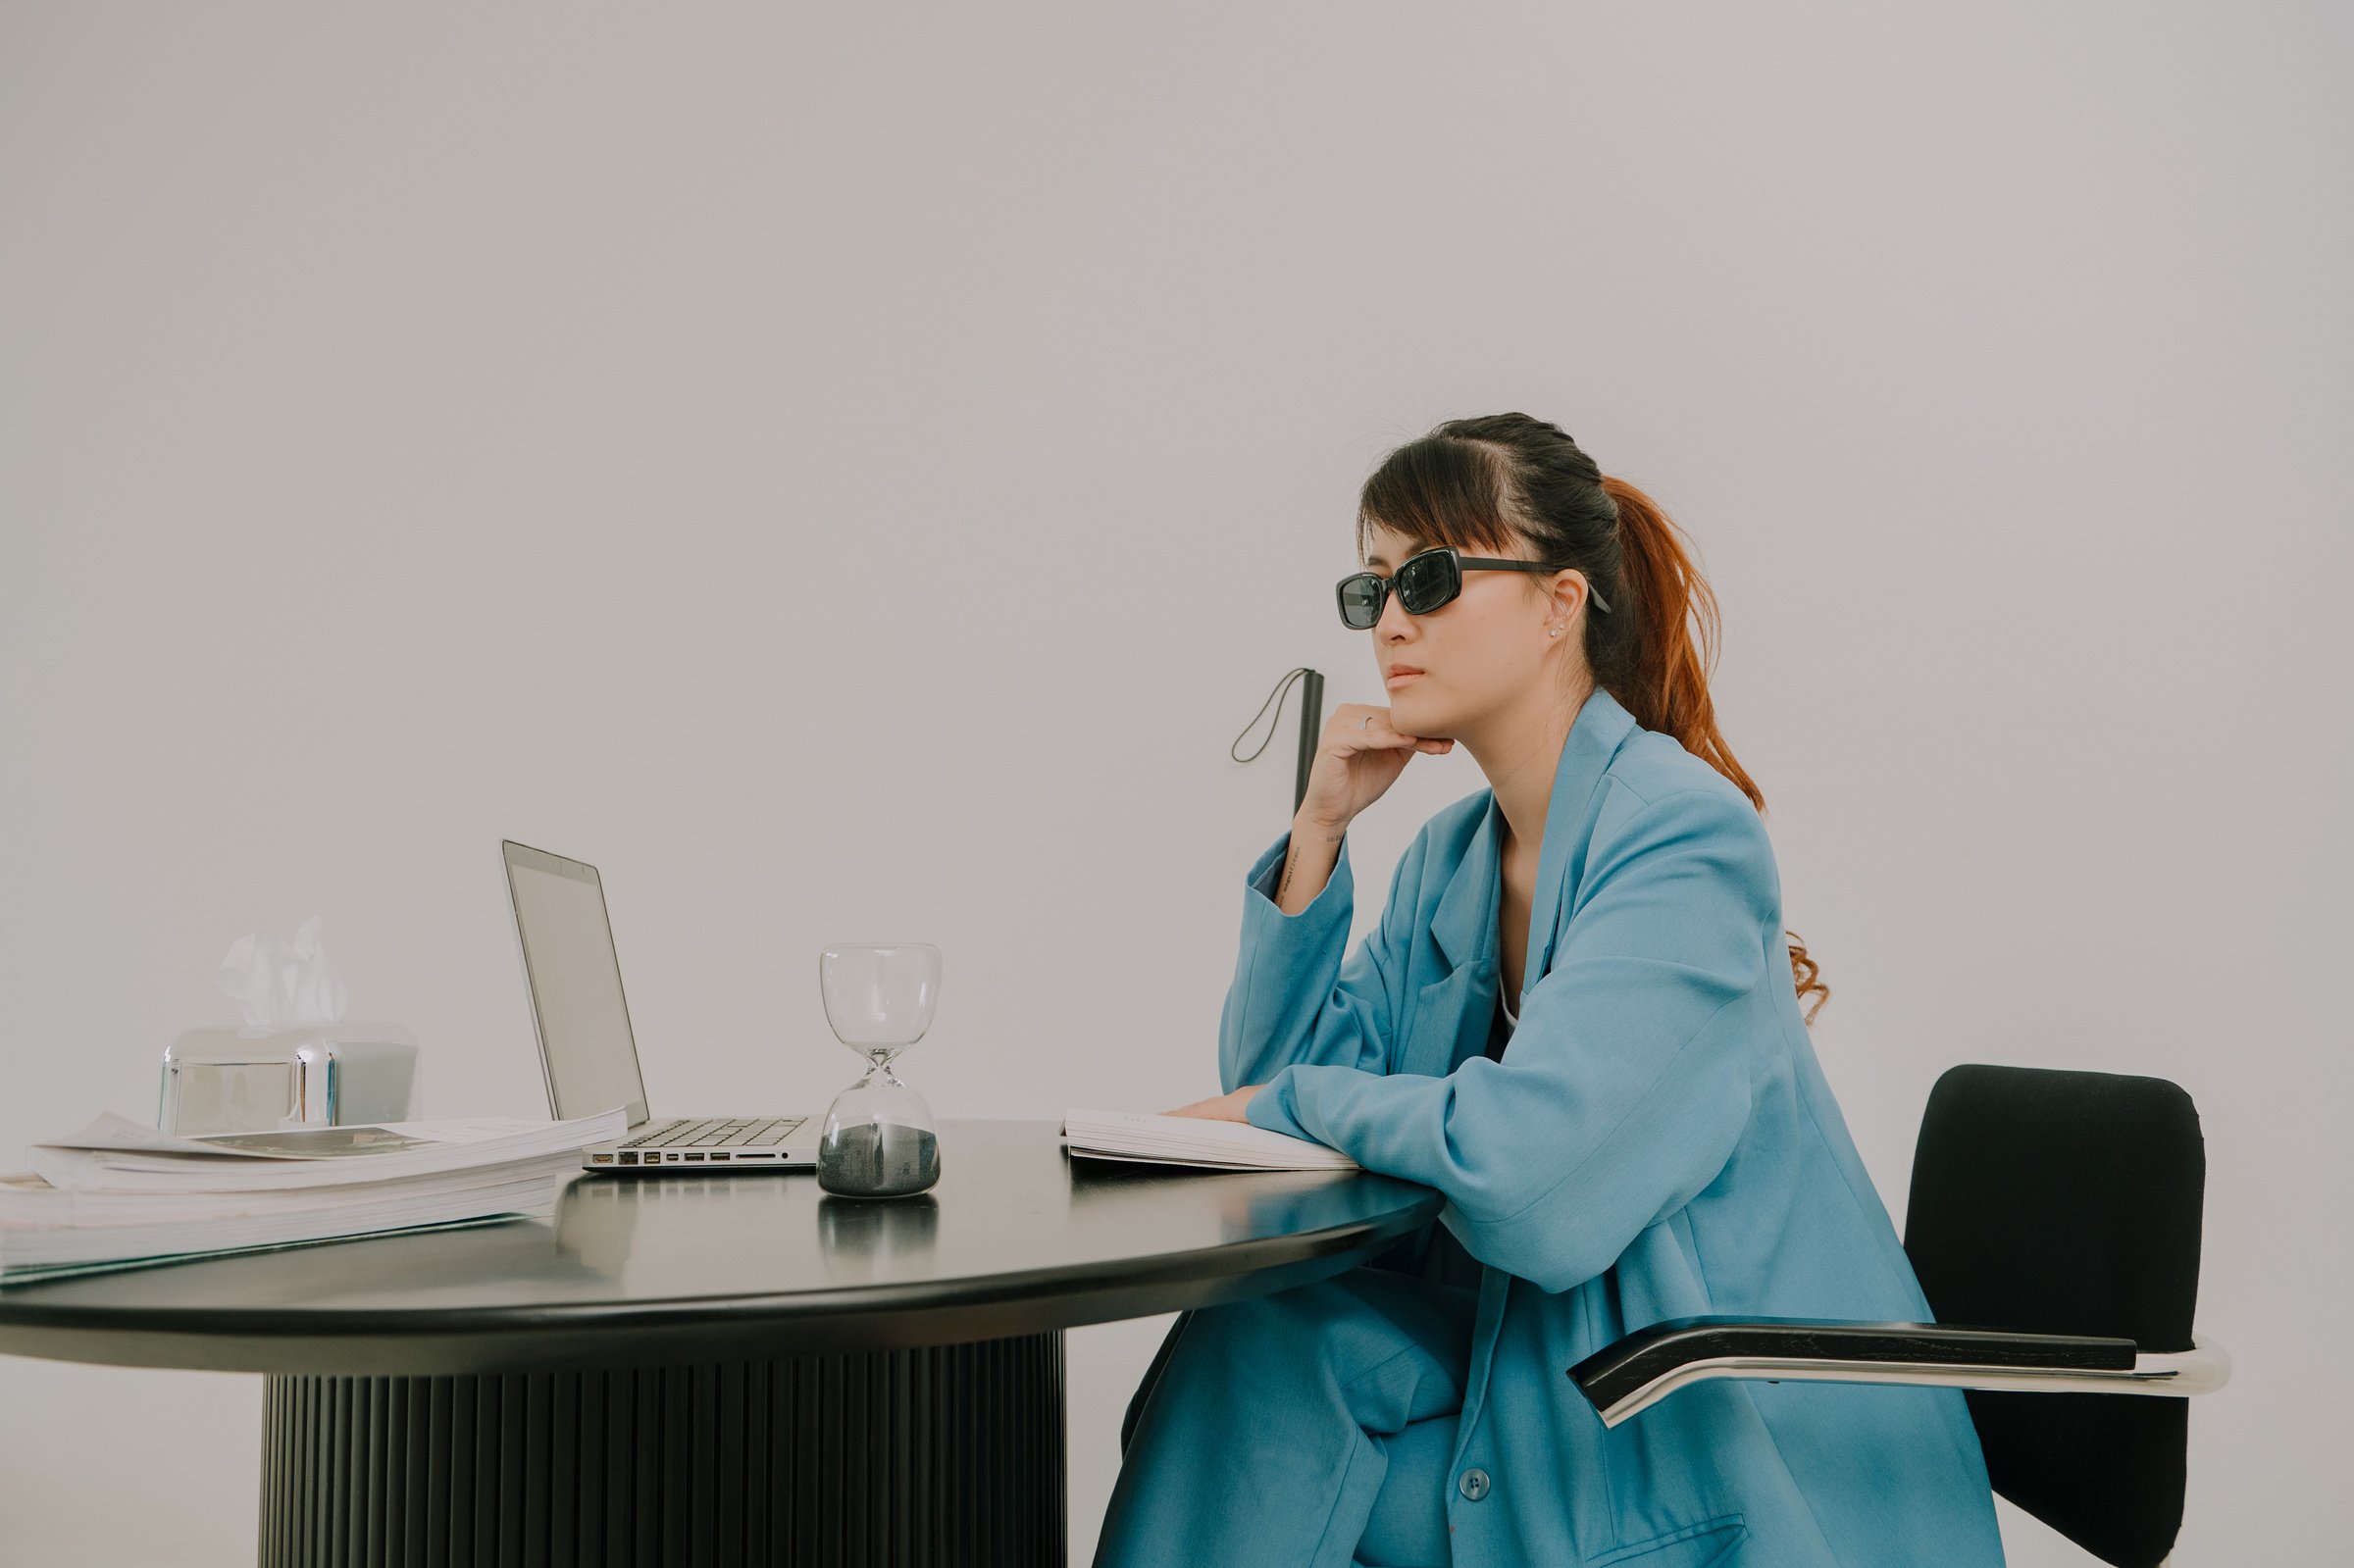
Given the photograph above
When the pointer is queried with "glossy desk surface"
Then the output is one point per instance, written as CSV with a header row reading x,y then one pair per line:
x,y
1019,1236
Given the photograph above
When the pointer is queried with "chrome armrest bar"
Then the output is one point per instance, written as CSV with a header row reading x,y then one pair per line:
x,y
1651,1364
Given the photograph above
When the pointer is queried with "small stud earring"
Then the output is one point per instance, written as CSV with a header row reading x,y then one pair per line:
x,y
1555,633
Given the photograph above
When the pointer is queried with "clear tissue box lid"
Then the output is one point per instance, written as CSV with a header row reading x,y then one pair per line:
x,y
256,1043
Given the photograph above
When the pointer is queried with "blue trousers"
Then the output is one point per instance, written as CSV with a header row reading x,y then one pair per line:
x,y
1312,1428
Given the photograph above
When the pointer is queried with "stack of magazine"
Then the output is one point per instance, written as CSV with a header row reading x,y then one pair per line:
x,y
1197,1141
117,1195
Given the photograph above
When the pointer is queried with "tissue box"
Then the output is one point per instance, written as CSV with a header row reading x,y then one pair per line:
x,y
251,1080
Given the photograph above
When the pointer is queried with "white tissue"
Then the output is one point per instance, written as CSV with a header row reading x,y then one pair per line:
x,y
283,982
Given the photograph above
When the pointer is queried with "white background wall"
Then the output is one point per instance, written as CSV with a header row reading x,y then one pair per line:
x,y
854,476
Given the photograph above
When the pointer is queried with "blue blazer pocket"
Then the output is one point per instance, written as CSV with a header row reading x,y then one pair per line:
x,y
1709,1543
1443,1014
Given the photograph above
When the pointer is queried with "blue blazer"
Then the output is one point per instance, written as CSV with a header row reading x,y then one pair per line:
x,y
1656,1141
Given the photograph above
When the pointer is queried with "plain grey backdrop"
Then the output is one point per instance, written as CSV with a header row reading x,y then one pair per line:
x,y
851,475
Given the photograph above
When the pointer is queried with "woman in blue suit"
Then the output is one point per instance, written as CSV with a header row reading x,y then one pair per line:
x,y
1579,1022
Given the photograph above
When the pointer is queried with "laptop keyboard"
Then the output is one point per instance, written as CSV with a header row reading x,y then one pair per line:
x,y
750,1131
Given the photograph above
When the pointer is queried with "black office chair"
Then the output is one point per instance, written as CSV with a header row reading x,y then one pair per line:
x,y
2054,1224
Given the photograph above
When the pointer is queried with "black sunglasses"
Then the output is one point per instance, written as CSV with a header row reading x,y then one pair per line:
x,y
1426,581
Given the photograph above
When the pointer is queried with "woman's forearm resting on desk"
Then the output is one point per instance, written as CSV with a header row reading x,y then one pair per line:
x,y
1627,1081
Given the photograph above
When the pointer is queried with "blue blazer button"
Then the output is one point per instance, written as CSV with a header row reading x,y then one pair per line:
x,y
1473,1485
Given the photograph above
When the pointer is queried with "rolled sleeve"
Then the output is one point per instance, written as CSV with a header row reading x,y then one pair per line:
x,y
1298,994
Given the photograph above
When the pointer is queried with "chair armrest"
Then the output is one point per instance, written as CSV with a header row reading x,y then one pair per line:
x,y
1651,1363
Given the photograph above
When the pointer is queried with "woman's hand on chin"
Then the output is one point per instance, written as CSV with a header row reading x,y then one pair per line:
x,y
1222,1108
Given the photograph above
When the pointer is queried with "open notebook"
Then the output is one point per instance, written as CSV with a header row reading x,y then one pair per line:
x,y
1193,1140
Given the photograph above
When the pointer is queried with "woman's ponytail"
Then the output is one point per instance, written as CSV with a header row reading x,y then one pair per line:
x,y
1658,661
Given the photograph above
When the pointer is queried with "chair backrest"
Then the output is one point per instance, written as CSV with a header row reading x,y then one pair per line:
x,y
2068,1203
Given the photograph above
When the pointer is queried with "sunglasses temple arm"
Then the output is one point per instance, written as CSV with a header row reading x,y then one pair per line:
x,y
1600,603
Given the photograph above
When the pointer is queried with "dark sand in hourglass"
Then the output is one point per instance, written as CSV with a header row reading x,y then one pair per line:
x,y
879,1161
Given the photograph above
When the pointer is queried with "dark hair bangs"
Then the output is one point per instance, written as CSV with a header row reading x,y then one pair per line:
x,y
1439,489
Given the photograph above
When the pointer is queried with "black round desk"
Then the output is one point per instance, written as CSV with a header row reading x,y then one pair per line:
x,y
700,1369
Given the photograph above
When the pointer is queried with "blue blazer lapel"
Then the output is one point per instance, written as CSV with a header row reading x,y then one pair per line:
x,y
1594,738
1451,1020
1459,925
1450,1013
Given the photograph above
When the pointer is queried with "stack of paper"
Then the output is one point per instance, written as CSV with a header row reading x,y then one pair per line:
x,y
1193,1140
116,1195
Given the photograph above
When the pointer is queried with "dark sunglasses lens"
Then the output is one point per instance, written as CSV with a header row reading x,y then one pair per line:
x,y
1360,602
1427,581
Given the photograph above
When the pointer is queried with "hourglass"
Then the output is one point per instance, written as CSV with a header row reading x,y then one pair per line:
x,y
879,1139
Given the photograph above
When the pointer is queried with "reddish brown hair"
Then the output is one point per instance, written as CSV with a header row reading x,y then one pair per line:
x,y
1482,485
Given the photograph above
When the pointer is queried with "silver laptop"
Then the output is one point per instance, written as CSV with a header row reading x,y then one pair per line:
x,y
586,1050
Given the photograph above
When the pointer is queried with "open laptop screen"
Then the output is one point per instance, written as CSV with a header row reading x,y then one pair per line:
x,y
585,1047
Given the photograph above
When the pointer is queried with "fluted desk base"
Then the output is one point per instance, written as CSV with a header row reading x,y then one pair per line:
x,y
944,1454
